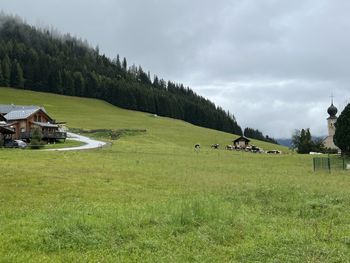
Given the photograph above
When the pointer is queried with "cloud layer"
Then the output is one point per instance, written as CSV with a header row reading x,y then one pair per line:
x,y
272,63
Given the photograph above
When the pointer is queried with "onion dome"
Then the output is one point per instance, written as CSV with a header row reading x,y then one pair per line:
x,y
332,110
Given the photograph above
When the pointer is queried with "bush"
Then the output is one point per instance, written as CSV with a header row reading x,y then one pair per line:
x,y
36,139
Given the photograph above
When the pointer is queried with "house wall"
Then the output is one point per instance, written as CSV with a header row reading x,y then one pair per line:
x,y
241,144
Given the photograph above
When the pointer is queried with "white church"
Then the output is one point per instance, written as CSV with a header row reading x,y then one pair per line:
x,y
331,120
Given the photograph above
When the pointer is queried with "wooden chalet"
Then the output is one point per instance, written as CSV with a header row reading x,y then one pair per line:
x,y
241,142
23,119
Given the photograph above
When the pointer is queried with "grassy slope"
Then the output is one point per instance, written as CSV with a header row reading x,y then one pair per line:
x,y
95,114
152,198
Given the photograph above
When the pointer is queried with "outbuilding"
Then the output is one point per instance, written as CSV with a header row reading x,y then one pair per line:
x,y
241,142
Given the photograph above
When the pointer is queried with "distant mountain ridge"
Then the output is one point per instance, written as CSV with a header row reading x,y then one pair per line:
x,y
285,142
41,60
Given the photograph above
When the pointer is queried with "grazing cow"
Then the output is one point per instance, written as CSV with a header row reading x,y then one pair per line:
x,y
229,147
256,149
197,147
215,146
274,152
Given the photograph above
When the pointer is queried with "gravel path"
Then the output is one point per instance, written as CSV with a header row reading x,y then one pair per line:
x,y
90,143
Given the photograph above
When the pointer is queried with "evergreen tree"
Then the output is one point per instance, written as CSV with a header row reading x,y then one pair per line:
x,y
6,71
16,79
68,83
1,76
118,64
79,84
125,65
55,82
303,143
342,132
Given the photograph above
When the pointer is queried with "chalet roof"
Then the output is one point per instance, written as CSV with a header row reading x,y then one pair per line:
x,y
241,138
45,124
7,108
6,130
2,118
20,114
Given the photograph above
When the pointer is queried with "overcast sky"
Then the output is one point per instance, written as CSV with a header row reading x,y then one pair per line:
x,y
272,63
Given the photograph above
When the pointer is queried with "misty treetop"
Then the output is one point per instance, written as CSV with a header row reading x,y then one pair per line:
x,y
43,60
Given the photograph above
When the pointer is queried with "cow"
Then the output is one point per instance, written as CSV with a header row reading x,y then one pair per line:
x,y
274,152
215,146
229,147
197,147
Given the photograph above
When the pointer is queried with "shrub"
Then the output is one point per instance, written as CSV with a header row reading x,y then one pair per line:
x,y
36,139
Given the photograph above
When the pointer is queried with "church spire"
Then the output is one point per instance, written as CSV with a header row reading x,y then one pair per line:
x,y
332,110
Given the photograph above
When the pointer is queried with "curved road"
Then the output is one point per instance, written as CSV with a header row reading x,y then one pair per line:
x,y
90,143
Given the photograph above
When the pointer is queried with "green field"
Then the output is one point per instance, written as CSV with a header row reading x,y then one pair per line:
x,y
151,198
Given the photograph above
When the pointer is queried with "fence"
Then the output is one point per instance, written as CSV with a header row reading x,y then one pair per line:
x,y
331,163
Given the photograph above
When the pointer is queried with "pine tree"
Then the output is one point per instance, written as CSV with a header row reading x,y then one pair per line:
x,y
16,79
342,132
303,143
6,71
118,64
125,65
68,83
1,76
79,84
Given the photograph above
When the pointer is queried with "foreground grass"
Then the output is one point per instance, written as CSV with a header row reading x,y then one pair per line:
x,y
150,198
131,205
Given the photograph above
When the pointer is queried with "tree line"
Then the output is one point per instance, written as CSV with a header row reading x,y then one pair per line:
x,y
42,60
303,142
256,134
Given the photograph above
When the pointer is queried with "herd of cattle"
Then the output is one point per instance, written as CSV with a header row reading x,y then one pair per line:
x,y
249,148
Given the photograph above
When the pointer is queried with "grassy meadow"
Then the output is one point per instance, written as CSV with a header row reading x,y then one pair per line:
x,y
151,198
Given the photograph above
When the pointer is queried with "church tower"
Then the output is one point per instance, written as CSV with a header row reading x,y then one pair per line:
x,y
331,120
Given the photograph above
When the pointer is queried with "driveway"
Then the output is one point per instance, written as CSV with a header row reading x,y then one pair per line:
x,y
90,143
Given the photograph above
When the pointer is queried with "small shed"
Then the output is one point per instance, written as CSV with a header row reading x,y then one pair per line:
x,y
241,142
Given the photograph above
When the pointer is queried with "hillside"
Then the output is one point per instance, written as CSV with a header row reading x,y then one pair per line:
x,y
44,60
150,197
95,114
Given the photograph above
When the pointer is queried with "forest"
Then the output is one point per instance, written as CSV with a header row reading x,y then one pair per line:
x,y
44,60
